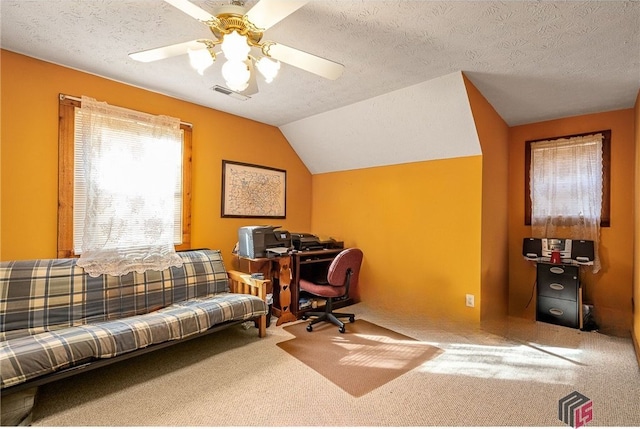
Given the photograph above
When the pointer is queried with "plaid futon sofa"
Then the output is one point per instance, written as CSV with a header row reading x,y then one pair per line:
x,y
54,316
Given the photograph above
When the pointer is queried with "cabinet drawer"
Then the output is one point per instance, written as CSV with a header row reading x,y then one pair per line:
x,y
558,281
557,311
558,289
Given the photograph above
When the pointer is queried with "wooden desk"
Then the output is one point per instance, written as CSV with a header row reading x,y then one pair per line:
x,y
286,295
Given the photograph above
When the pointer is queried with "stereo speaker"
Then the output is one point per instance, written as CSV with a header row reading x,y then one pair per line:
x,y
582,250
532,247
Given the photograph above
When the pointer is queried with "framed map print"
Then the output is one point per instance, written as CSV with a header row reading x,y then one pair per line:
x,y
253,191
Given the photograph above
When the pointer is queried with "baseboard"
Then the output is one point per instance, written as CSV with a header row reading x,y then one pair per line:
x,y
636,345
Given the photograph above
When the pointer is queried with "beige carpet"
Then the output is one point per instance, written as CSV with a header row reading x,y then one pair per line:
x,y
362,359
508,374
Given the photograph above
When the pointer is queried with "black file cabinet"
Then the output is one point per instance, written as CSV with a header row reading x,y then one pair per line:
x,y
558,299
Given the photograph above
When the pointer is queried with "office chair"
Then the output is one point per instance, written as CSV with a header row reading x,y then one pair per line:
x,y
343,273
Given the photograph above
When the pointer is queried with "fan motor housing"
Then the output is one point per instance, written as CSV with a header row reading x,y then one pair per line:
x,y
231,18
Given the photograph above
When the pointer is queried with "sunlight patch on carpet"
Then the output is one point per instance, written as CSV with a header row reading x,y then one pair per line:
x,y
386,354
520,362
362,359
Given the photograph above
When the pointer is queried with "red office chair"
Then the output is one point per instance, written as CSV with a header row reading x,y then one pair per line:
x,y
343,272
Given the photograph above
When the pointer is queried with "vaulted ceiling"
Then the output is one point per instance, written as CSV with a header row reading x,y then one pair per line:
x,y
532,60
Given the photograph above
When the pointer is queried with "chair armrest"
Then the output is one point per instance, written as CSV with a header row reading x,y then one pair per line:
x,y
243,283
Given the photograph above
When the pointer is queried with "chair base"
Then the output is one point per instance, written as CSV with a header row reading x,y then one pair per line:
x,y
328,317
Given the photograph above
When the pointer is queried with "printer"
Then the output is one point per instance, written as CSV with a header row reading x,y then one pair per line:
x,y
253,241
304,241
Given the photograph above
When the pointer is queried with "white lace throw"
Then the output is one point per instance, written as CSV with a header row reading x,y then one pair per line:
x,y
130,171
566,189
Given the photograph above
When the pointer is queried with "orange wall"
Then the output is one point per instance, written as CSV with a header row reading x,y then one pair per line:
x,y
431,231
636,257
493,133
418,225
29,156
611,289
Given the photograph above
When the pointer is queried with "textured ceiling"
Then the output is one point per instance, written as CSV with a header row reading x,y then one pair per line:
x,y
533,60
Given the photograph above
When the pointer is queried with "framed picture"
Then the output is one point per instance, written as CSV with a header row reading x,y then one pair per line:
x,y
253,191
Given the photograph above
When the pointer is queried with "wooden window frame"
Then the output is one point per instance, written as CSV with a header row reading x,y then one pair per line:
x,y
605,216
66,138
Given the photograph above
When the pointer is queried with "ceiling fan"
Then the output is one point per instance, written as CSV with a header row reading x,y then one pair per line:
x,y
236,31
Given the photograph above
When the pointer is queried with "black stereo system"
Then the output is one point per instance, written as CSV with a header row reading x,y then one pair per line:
x,y
576,251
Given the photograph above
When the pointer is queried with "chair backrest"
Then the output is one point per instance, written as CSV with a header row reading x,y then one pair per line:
x,y
348,259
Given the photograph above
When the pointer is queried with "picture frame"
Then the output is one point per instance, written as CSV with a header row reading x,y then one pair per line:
x,y
255,191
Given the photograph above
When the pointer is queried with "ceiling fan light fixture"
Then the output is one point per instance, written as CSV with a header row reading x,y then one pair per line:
x,y
235,47
236,75
268,68
237,31
200,59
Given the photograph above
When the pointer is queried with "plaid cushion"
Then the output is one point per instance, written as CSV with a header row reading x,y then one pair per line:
x,y
28,357
46,294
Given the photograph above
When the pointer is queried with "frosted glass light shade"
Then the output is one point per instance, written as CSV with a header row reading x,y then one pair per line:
x,y
200,59
236,75
235,47
268,68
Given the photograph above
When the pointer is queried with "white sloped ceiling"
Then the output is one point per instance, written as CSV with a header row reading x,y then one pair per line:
x,y
427,121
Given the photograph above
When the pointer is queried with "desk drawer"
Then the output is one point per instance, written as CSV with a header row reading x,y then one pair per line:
x,y
558,311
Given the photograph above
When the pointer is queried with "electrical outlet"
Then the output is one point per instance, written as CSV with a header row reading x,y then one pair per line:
x,y
470,300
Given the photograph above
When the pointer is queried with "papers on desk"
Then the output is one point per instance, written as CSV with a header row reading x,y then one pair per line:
x,y
279,250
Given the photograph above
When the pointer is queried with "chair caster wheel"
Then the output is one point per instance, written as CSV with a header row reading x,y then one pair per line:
x,y
304,317
309,328
342,330
352,319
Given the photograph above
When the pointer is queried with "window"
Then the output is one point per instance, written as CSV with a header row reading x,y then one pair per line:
x,y
567,187
71,215
547,161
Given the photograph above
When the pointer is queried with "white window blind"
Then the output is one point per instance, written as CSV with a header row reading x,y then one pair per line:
x,y
132,200
566,179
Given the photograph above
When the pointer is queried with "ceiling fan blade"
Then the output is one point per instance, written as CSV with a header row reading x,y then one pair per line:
x,y
305,61
267,13
166,51
191,9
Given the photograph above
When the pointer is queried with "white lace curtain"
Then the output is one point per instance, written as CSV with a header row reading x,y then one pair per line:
x,y
566,189
131,161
